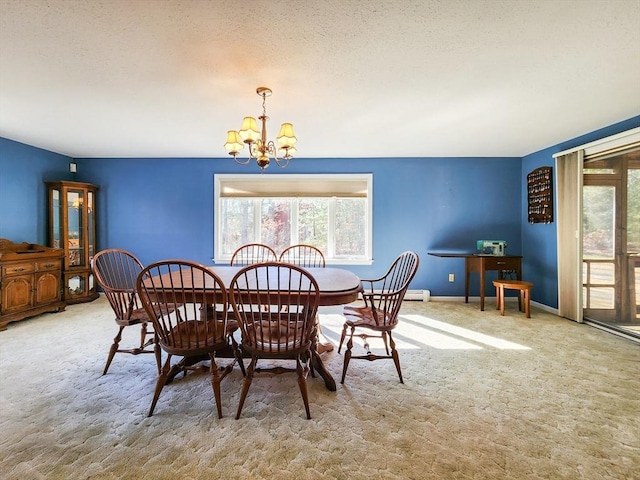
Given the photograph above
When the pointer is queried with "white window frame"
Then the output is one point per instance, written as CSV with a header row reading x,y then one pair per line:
x,y
327,182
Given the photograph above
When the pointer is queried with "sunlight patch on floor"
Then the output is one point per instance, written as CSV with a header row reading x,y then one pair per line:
x,y
427,337
462,332
408,335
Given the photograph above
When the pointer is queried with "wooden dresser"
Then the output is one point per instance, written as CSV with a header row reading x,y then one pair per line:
x,y
30,280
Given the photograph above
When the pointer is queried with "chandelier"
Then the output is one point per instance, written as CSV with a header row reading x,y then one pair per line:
x,y
260,149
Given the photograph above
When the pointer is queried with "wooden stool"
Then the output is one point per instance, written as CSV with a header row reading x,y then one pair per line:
x,y
524,295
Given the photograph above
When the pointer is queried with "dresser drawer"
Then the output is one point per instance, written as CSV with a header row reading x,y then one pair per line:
x,y
47,265
18,268
501,263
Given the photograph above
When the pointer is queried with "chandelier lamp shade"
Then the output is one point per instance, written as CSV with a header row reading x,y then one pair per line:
x,y
260,149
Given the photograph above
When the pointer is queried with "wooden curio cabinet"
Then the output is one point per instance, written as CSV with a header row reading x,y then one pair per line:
x,y
72,227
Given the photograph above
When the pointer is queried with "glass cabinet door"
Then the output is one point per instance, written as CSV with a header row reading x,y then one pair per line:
x,y
91,236
55,235
75,230
91,231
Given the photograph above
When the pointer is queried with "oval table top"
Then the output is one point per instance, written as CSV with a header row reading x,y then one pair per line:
x,y
337,285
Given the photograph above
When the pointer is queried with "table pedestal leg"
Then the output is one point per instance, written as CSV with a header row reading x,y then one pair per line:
x,y
318,366
323,347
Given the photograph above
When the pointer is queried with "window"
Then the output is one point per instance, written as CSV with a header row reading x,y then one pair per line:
x,y
331,212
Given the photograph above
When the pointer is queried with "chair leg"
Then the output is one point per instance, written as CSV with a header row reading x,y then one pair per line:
x,y
302,383
342,337
347,353
162,381
237,351
215,383
113,350
309,355
157,352
246,383
143,335
395,356
384,339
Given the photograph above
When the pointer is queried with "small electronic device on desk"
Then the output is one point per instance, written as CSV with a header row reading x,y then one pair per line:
x,y
491,247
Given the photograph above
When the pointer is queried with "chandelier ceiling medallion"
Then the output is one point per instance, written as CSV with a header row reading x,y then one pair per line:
x,y
259,148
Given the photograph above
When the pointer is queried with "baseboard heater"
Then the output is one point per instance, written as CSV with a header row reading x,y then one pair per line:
x,y
418,295
415,295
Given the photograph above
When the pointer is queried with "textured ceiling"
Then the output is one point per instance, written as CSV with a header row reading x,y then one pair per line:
x,y
358,78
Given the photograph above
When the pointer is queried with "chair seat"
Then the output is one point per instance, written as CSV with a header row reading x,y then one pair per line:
x,y
363,317
232,325
138,316
264,348
197,334
278,334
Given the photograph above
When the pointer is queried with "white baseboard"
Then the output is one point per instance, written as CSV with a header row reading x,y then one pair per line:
x,y
492,301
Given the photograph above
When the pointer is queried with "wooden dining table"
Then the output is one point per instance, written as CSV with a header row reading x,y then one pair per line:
x,y
336,286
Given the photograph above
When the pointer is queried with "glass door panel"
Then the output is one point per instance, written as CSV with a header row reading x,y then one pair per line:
x,y
76,285
91,231
611,239
633,242
56,220
598,251
633,211
75,199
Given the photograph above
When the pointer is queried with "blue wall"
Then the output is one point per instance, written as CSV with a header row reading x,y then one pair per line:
x,y
23,194
163,207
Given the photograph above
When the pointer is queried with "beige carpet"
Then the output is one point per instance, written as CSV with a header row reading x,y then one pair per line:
x,y
486,397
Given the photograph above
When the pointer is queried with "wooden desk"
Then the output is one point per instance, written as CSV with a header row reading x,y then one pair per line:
x,y
482,263
337,287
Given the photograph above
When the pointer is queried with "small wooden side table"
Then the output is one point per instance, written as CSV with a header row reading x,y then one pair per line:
x,y
524,294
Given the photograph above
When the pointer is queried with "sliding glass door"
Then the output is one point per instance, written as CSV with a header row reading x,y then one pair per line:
x,y
611,239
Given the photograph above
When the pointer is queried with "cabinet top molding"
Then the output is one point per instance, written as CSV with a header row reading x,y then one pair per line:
x,y
70,184
25,251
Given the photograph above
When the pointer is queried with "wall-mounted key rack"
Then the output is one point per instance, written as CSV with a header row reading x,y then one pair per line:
x,y
540,195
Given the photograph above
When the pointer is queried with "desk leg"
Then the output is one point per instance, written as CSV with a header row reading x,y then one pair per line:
x,y
519,277
467,274
482,289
